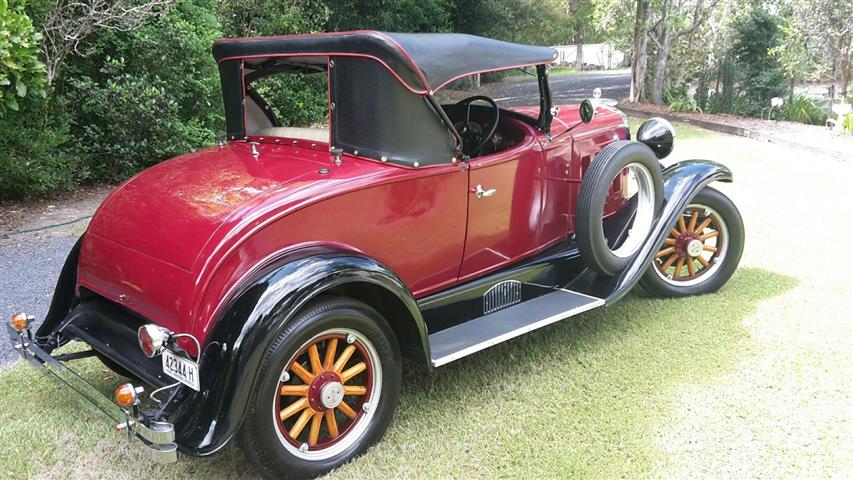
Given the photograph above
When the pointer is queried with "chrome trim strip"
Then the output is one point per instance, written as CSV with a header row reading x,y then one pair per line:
x,y
519,331
501,295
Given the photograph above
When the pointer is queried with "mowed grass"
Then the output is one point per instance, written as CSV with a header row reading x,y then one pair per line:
x,y
578,399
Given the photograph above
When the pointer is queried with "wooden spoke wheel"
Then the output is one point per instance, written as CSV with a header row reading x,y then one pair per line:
x,y
695,247
325,394
326,391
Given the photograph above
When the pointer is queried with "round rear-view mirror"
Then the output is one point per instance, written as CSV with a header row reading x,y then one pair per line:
x,y
587,111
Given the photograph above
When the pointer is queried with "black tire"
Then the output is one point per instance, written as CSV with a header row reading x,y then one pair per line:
x,y
728,257
261,437
596,184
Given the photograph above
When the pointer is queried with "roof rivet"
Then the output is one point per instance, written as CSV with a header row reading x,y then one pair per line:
x,y
331,63
384,159
454,160
332,105
355,152
417,164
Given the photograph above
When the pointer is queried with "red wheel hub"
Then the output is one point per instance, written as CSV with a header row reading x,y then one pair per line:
x,y
682,241
315,390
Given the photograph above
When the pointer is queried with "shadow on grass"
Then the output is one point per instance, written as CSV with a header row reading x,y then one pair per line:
x,y
577,398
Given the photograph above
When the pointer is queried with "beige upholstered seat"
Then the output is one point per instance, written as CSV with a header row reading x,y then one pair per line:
x,y
315,134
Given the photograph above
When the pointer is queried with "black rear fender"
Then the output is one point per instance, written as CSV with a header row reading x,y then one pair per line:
x,y
238,340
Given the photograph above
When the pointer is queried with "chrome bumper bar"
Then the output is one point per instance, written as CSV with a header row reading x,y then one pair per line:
x,y
157,437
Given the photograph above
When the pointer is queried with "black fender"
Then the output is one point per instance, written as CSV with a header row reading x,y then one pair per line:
x,y
63,301
681,182
205,421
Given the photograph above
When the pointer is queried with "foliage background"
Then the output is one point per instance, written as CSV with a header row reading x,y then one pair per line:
x,y
125,99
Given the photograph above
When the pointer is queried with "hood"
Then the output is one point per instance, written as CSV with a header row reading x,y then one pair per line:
x,y
171,210
569,115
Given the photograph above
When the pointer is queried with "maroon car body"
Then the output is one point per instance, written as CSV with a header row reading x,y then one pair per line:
x,y
432,229
240,209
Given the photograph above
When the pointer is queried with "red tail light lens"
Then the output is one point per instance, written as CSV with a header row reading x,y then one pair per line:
x,y
152,338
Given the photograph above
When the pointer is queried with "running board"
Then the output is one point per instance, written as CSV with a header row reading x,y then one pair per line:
x,y
483,332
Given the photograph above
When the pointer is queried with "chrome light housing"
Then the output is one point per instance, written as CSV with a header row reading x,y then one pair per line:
x,y
658,134
152,339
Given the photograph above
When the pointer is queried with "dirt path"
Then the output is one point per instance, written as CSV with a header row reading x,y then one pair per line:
x,y
30,261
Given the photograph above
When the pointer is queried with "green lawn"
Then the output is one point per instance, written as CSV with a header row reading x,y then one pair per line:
x,y
578,398
754,381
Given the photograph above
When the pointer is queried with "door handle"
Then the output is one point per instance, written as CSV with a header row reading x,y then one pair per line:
x,y
484,193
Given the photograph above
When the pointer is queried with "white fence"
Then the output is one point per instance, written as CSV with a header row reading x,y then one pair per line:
x,y
595,55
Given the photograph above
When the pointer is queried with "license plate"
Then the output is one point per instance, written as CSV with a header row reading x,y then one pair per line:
x,y
181,369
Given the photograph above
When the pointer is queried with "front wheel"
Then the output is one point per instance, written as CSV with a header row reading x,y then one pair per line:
x,y
328,389
702,250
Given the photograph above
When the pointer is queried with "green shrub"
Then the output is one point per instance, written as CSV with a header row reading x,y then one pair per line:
x,y
760,76
34,160
679,100
297,100
804,110
143,96
848,122
21,72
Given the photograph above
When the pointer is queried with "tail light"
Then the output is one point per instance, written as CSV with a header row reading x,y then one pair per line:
x,y
152,339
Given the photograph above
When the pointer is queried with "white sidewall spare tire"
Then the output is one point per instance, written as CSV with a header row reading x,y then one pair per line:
x,y
643,174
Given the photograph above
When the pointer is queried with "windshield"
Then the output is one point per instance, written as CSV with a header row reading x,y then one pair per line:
x,y
515,89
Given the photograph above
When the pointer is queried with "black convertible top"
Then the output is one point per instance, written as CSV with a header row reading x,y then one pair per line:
x,y
424,62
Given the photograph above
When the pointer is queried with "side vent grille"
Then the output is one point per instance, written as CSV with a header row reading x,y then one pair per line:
x,y
502,295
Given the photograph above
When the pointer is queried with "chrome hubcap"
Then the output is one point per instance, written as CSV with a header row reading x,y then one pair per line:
x,y
332,394
694,248
636,180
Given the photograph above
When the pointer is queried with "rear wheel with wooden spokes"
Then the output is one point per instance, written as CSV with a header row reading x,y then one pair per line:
x,y
330,386
702,250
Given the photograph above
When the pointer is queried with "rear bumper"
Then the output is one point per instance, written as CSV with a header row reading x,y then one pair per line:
x,y
157,438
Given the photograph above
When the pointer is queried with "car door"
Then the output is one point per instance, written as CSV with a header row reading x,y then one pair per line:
x,y
504,207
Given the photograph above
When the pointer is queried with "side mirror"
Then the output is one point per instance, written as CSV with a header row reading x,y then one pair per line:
x,y
587,111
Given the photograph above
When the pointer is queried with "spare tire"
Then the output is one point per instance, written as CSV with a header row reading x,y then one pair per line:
x,y
643,180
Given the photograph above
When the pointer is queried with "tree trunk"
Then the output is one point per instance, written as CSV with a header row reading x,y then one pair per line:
x,y
665,45
579,46
638,54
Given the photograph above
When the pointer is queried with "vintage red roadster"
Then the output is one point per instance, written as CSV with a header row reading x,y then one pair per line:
x,y
266,289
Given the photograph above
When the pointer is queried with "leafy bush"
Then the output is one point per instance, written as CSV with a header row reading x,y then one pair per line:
x,y
760,76
33,161
143,96
20,70
848,122
804,110
680,101
297,100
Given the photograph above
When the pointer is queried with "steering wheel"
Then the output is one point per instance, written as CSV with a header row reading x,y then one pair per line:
x,y
469,136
